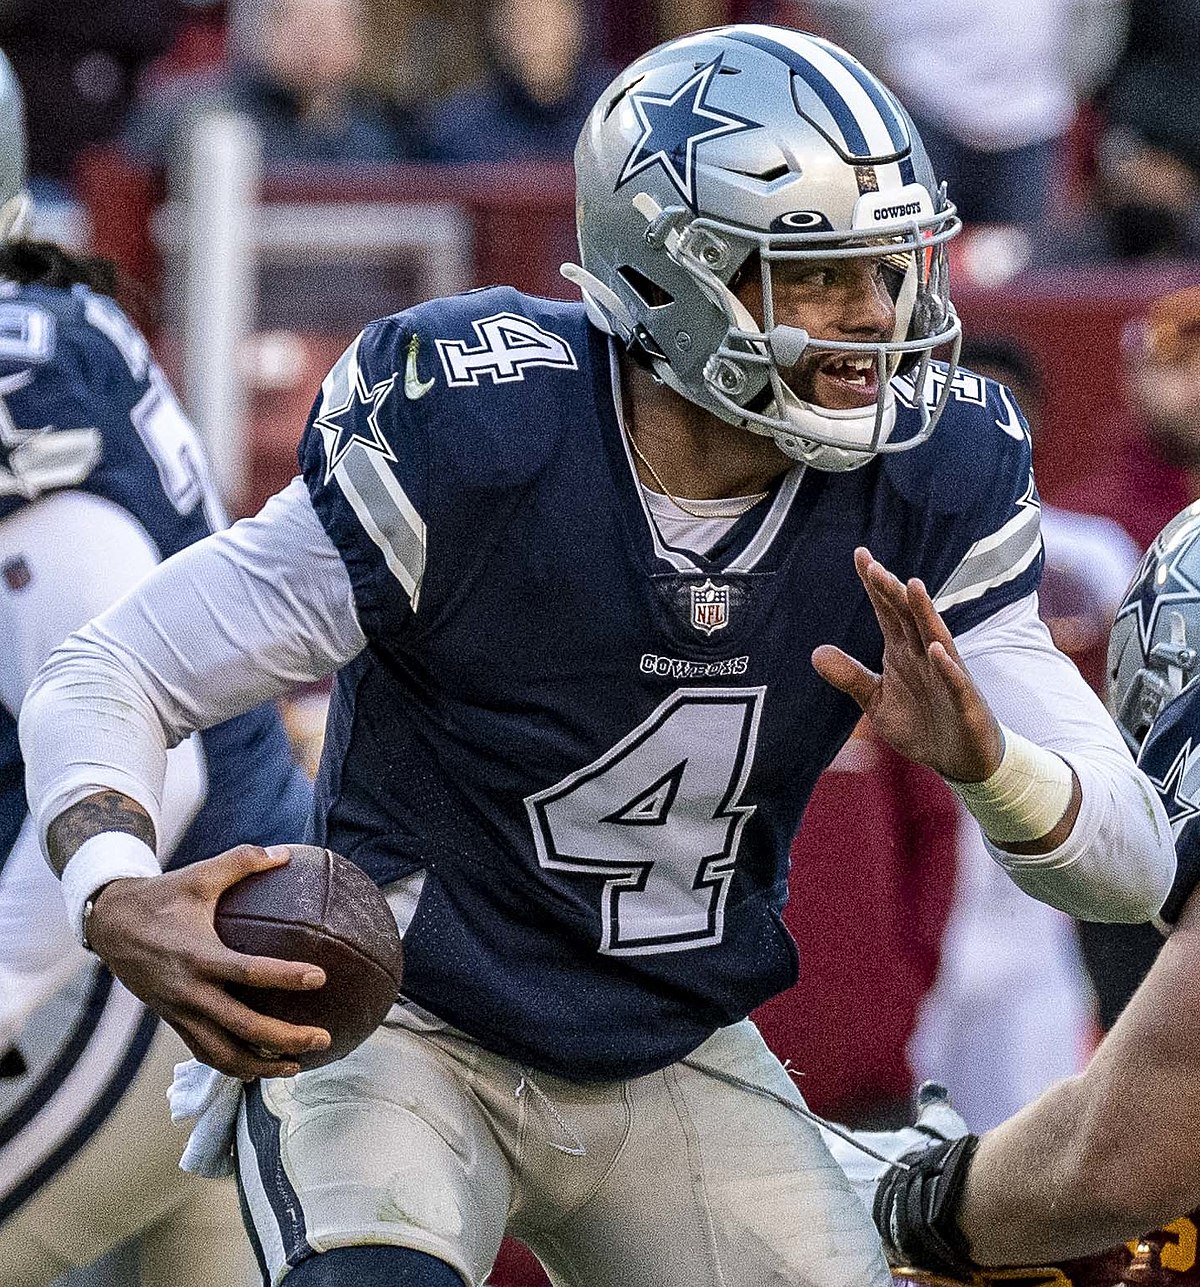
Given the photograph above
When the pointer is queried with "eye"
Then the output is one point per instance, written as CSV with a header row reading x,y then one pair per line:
x,y
815,275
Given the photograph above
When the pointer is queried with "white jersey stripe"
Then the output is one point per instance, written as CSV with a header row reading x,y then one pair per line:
x,y
992,559
392,513
870,121
262,1215
390,556
1030,515
769,529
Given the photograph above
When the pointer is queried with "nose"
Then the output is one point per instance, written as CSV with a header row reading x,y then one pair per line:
x,y
867,309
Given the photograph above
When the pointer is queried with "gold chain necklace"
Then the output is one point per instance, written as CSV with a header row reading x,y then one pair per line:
x,y
735,509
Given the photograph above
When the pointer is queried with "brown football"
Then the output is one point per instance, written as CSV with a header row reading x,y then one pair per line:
x,y
319,908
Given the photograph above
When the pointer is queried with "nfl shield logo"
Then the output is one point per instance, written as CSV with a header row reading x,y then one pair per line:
x,y
710,607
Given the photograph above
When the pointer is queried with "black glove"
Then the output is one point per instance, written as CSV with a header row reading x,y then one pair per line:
x,y
916,1209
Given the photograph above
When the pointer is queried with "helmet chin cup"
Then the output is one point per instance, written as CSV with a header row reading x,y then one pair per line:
x,y
836,441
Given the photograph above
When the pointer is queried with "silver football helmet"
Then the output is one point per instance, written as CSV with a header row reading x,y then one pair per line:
x,y
1152,650
743,150
14,200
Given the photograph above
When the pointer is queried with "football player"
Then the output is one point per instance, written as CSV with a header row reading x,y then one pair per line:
x,y
100,478
1114,1151
605,586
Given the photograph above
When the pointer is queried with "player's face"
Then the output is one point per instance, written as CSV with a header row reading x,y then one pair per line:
x,y
832,299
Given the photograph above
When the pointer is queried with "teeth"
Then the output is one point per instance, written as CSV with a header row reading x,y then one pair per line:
x,y
852,369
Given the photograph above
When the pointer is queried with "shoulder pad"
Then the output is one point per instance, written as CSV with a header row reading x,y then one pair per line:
x,y
981,438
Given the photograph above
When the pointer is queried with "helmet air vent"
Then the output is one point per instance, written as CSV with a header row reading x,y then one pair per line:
x,y
649,292
620,95
769,175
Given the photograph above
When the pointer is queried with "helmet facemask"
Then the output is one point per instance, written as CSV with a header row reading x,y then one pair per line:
x,y
744,378
748,375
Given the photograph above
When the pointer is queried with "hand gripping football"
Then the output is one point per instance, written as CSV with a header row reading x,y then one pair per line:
x,y
322,909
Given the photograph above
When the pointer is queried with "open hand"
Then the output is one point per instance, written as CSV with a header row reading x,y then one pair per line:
x,y
156,935
923,703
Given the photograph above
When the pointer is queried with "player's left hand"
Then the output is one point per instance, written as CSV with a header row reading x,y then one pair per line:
x,y
923,703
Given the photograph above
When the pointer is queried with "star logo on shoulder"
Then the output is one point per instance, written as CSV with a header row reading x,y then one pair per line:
x,y
1178,787
674,125
342,427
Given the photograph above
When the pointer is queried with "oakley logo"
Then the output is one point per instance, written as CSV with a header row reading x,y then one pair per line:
x,y
803,220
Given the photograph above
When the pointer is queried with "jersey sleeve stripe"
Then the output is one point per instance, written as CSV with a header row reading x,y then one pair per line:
x,y
366,479
387,517
978,589
994,559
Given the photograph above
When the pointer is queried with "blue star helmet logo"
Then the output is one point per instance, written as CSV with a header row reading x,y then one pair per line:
x,y
342,427
674,125
1161,583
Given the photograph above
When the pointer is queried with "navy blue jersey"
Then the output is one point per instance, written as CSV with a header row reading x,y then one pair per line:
x,y
1170,758
83,406
598,747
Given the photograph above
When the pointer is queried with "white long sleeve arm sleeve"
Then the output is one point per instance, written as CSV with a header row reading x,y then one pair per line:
x,y
238,618
1118,862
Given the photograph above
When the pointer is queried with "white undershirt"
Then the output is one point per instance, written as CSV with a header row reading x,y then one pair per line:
x,y
249,612
697,532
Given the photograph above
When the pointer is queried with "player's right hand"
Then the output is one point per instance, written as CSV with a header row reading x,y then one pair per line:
x,y
156,935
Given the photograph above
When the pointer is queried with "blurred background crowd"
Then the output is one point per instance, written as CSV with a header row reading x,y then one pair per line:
x,y
269,174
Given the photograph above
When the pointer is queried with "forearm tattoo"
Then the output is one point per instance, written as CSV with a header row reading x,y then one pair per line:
x,y
104,811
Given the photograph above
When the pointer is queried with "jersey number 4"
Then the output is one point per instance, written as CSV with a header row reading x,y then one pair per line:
x,y
508,346
659,817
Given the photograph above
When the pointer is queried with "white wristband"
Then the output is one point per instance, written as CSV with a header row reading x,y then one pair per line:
x,y
1025,798
112,855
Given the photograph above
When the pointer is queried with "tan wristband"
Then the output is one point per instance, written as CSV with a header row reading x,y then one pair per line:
x,y
1025,798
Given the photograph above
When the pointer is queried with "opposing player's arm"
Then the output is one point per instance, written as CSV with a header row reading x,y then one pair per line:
x,y
1107,1155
